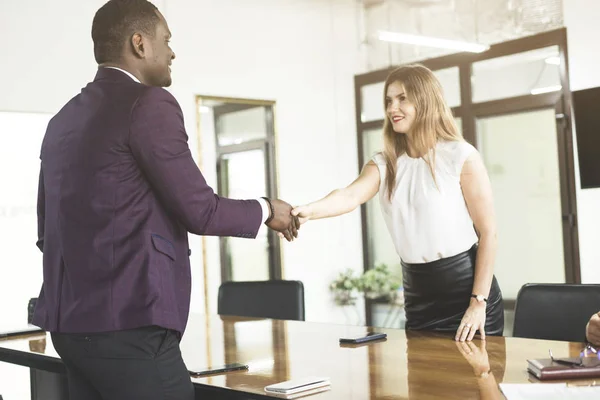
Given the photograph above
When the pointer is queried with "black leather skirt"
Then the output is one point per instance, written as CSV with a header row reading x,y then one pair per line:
x,y
437,294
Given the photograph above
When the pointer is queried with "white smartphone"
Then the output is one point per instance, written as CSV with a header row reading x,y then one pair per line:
x,y
297,395
297,385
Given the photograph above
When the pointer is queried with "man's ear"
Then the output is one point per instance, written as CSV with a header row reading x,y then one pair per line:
x,y
137,45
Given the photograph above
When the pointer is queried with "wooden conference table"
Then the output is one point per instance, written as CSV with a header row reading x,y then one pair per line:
x,y
415,365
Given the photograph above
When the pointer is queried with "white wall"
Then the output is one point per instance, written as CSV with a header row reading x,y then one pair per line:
x,y
302,54
584,61
50,57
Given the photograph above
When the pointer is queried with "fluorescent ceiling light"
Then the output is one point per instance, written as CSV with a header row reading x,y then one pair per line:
x,y
554,60
432,42
546,89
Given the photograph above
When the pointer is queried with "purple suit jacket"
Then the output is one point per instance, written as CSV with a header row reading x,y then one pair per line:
x,y
118,194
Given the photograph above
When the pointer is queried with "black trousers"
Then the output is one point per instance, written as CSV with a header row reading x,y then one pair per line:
x,y
143,363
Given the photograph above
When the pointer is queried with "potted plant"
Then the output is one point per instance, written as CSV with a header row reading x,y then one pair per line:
x,y
345,288
378,282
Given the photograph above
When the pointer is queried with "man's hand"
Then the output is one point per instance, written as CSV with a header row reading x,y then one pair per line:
x,y
592,331
283,221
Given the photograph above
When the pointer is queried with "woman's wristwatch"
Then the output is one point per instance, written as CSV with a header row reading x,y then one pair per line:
x,y
484,374
479,297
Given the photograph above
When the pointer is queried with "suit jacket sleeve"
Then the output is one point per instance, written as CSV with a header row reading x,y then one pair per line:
x,y
159,144
41,211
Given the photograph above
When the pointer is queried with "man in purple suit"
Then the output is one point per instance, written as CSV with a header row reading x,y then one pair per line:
x,y
118,194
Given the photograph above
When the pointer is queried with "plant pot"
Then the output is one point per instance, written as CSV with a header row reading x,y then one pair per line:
x,y
392,297
344,298
397,297
373,295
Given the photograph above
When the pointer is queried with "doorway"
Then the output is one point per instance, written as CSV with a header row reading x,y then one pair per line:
x,y
244,135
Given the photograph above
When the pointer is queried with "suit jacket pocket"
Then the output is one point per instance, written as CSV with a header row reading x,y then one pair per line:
x,y
162,245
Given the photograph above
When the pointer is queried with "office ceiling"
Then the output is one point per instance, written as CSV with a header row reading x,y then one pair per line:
x,y
482,21
492,20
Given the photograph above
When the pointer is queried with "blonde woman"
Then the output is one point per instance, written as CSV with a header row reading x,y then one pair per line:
x,y
437,202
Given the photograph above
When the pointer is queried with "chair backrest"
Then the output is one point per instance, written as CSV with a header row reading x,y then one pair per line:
x,y
555,311
276,299
30,310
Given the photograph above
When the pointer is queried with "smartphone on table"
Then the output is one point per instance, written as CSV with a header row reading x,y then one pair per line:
x,y
360,339
220,369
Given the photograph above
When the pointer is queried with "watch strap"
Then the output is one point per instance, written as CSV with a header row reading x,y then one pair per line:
x,y
475,296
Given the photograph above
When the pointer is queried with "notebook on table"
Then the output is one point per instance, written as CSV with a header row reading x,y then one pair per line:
x,y
546,369
548,391
298,387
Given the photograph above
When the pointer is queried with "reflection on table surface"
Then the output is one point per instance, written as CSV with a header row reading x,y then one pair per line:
x,y
407,364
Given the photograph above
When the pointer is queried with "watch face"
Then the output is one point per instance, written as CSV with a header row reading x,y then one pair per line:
x,y
479,297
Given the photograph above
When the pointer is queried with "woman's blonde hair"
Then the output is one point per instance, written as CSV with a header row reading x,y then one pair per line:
x,y
433,121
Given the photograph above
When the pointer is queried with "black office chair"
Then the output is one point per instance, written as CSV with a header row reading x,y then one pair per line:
x,y
276,299
30,310
555,311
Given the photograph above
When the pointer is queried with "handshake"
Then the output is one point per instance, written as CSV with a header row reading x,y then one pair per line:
x,y
285,219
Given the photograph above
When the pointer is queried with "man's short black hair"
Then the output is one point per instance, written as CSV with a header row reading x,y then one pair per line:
x,y
115,23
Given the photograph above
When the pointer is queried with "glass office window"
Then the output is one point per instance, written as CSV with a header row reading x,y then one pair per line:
x,y
530,72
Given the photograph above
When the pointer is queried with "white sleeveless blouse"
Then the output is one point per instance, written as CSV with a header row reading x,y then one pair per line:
x,y
427,224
